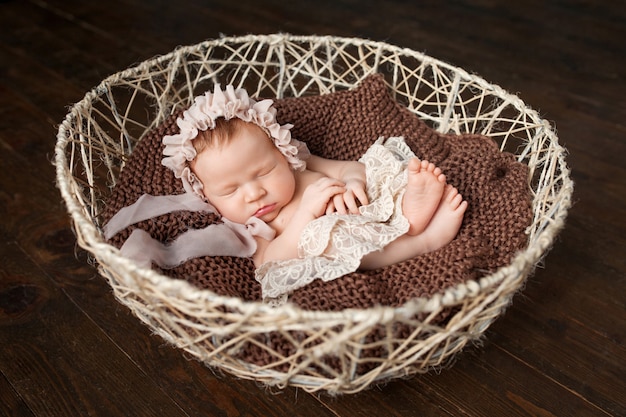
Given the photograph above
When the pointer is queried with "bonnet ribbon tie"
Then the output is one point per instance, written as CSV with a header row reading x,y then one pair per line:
x,y
225,239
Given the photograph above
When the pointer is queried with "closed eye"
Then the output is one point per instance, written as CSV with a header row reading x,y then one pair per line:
x,y
266,171
227,192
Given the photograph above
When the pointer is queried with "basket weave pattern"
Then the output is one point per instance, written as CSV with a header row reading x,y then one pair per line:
x,y
327,349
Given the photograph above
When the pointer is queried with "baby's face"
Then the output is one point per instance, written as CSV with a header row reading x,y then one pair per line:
x,y
246,177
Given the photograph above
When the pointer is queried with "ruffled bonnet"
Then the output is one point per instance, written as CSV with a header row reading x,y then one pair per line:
x,y
201,116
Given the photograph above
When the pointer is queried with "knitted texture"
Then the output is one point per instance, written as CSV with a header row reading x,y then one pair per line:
x,y
343,125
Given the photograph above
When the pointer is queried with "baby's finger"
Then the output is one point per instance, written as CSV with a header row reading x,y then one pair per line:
x,y
339,204
351,203
361,194
330,208
331,192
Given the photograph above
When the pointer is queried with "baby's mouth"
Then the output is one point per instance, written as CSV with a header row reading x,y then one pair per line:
x,y
264,210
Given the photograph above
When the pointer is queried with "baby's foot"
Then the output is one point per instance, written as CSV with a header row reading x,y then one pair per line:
x,y
423,193
447,220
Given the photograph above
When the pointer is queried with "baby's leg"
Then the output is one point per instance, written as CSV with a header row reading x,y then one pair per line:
x,y
423,194
443,227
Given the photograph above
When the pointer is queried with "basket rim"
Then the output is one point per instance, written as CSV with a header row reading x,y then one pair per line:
x,y
90,237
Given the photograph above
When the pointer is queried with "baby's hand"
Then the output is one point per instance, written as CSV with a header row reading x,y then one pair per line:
x,y
350,200
317,196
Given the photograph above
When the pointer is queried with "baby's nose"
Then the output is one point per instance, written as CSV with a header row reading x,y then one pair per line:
x,y
254,191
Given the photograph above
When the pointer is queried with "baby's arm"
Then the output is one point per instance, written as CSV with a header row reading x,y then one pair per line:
x,y
312,205
352,173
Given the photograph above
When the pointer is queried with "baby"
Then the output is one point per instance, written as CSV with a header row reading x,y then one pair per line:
x,y
312,217
245,175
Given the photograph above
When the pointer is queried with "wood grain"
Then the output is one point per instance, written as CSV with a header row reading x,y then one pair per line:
x,y
68,348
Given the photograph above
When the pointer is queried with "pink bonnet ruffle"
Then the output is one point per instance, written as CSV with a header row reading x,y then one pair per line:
x,y
228,104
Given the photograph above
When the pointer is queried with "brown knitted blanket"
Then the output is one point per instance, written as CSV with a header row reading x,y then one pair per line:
x,y
343,125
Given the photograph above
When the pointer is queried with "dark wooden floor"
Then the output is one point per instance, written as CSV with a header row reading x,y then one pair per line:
x,y
67,348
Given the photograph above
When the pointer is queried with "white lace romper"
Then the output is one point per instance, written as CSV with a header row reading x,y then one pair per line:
x,y
333,245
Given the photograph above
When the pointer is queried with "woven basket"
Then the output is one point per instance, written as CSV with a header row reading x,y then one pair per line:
x,y
101,130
